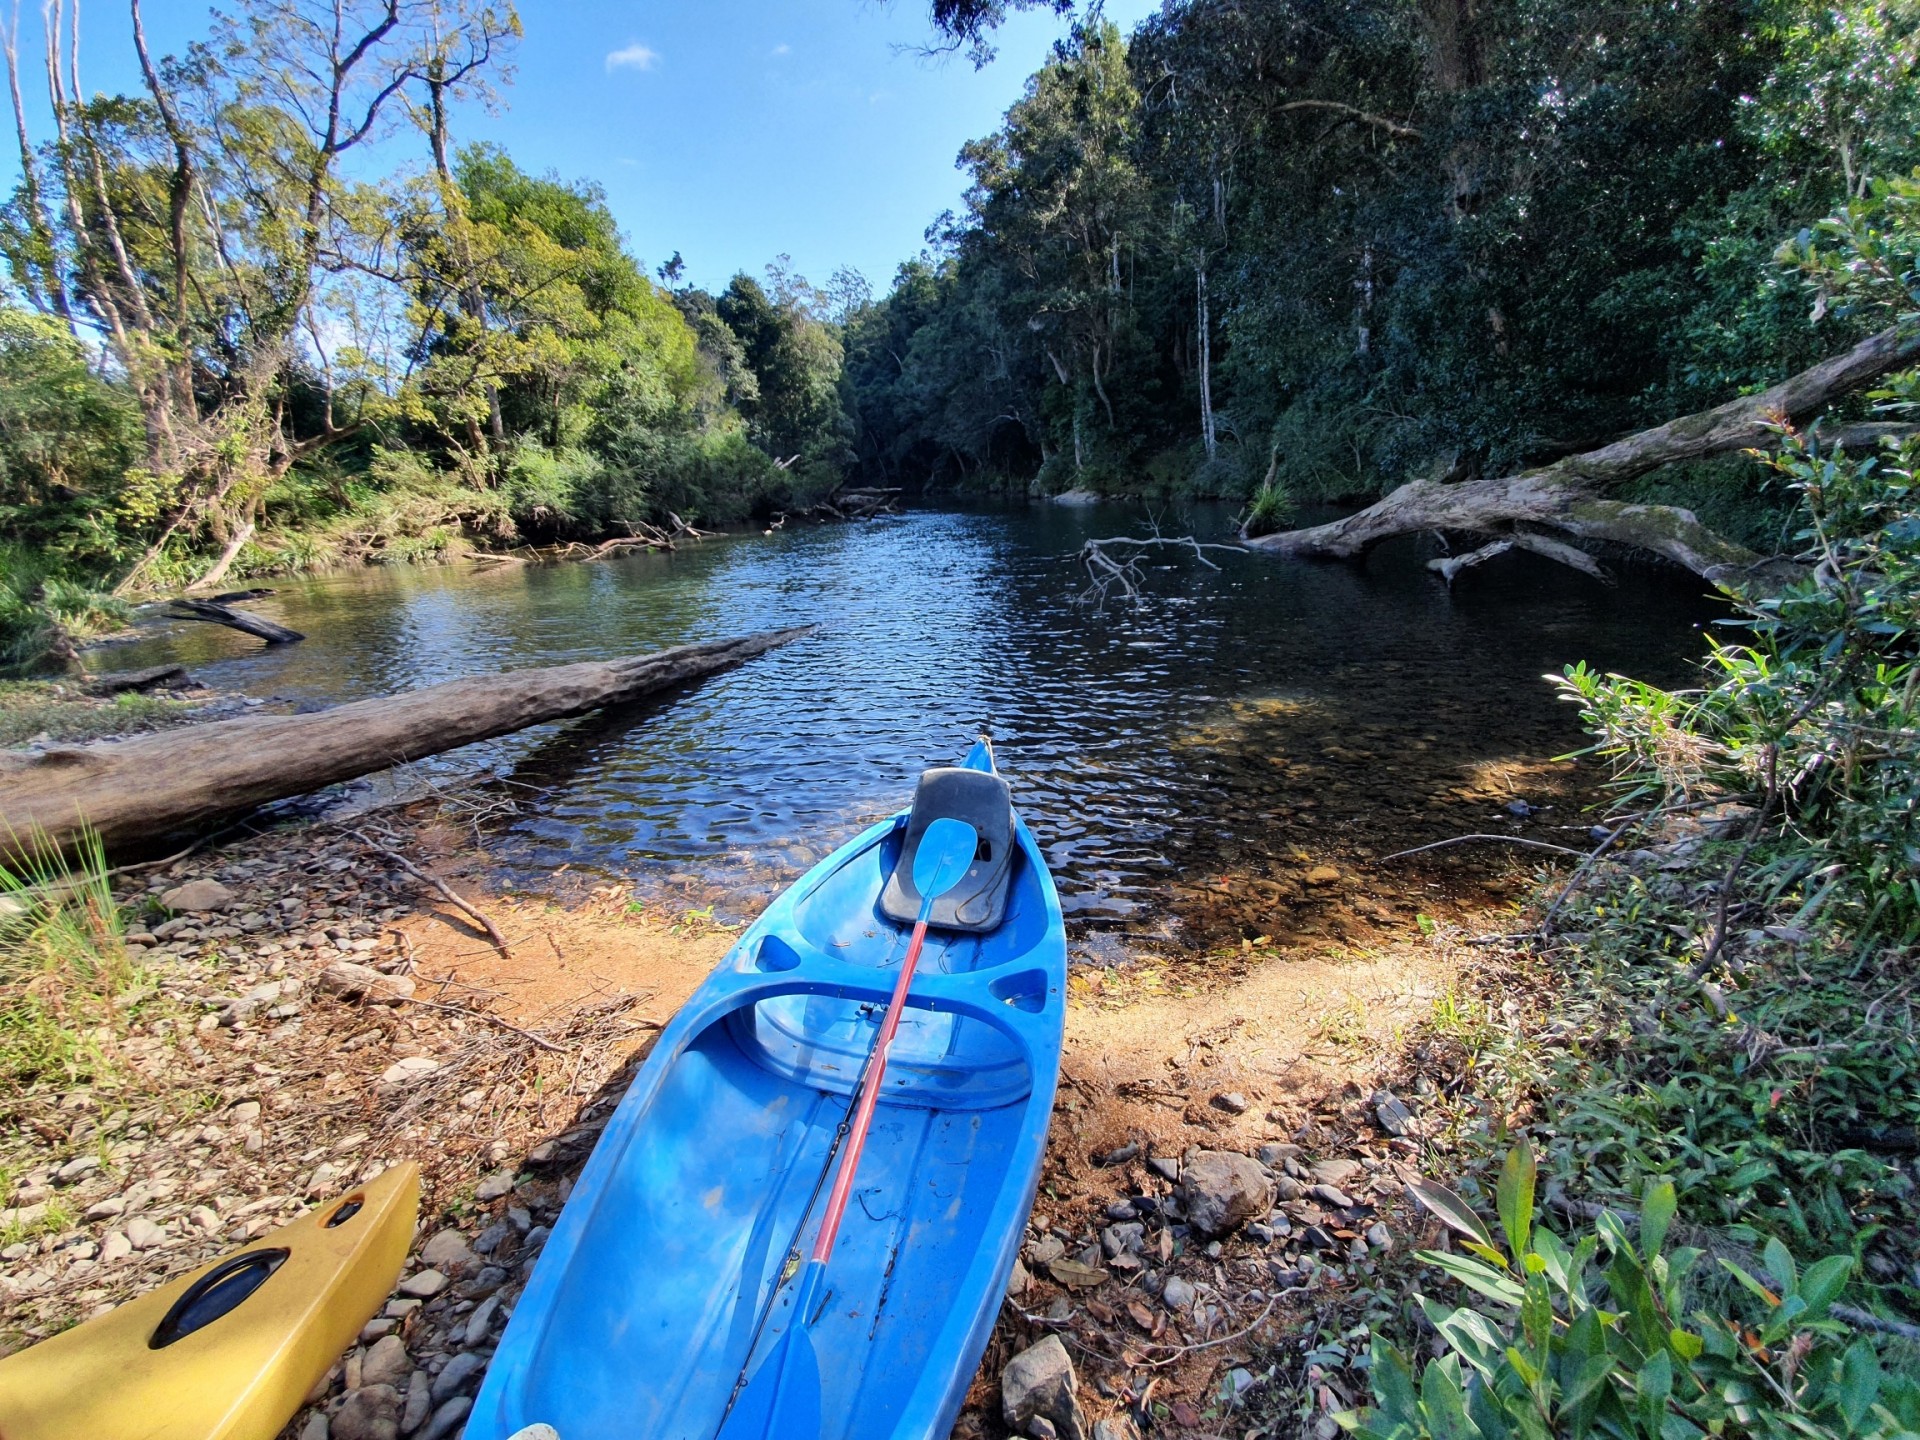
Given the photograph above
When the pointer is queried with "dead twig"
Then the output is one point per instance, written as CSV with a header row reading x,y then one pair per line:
x,y
472,913
1484,839
491,1020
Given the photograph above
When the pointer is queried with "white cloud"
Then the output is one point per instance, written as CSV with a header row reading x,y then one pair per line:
x,y
783,49
634,57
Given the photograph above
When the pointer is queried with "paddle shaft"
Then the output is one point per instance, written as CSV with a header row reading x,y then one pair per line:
x,y
869,1097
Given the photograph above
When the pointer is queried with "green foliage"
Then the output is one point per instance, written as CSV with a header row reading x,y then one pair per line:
x,y
1598,1339
43,610
1409,241
64,967
1817,713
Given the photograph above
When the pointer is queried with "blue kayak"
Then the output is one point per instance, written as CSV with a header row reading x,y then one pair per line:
x,y
669,1275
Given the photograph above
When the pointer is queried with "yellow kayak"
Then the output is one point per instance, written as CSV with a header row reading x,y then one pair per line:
x,y
228,1353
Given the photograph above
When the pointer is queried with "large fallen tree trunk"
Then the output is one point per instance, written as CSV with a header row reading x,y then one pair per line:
x,y
157,784
1569,496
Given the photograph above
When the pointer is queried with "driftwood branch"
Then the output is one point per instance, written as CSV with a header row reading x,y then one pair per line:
x,y
1484,840
142,789
1107,572
1570,495
465,907
218,614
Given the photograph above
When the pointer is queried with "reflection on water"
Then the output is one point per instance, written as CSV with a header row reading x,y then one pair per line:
x,y
1235,711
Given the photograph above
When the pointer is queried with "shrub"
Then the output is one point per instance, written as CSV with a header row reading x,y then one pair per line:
x,y
1597,1340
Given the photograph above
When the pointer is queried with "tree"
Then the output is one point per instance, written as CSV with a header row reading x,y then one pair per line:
x,y
206,234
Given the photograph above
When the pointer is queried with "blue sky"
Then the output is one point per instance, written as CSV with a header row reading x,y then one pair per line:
x,y
729,130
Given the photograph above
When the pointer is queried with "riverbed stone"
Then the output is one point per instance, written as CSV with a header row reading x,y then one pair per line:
x,y
197,897
370,1413
353,982
418,1404
386,1362
447,1418
1176,1294
143,1234
460,1372
1391,1112
447,1250
424,1285
1222,1191
1039,1383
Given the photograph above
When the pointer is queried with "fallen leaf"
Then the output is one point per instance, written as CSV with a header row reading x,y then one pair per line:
x,y
1185,1414
1142,1316
1102,1313
1074,1275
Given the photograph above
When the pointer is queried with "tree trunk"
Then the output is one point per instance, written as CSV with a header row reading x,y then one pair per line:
x,y
144,788
1207,435
1569,495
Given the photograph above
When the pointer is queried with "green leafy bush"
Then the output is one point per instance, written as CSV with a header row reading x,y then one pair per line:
x,y
1597,1340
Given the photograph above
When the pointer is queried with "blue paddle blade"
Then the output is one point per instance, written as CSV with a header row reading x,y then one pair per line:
x,y
782,1400
946,850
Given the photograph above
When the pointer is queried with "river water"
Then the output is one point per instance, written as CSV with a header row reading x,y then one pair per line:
x,y
1262,715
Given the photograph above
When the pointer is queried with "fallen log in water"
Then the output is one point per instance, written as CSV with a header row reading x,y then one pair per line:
x,y
153,785
218,614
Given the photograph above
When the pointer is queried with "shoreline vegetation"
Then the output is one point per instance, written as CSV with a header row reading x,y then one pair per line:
x,y
1634,1156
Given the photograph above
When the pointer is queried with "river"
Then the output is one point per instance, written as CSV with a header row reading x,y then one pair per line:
x,y
1263,714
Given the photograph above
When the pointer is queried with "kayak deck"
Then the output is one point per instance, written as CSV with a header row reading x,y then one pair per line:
x,y
642,1312
715,1194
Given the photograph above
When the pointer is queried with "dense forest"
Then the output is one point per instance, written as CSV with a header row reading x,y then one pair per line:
x,y
1277,253
1296,251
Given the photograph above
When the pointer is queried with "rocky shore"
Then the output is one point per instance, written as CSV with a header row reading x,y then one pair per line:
x,y
1221,1204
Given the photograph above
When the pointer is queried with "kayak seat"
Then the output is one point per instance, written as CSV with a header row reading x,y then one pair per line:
x,y
979,902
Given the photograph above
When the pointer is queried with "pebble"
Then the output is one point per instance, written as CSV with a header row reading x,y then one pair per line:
x,y
143,1234
1274,1155
447,1418
493,1237
1121,1210
418,1405
1378,1237
460,1370
1335,1172
370,1413
386,1362
489,1279
351,981
1222,1190
423,1286
1392,1113
116,1246
1332,1195
408,1070
1176,1294
1039,1383
316,1427
1233,1102
197,896
1165,1166
493,1186
106,1209
480,1321
1123,1239
447,1250
75,1169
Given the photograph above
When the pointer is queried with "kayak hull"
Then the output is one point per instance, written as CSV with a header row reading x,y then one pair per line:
x,y
242,1375
643,1309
